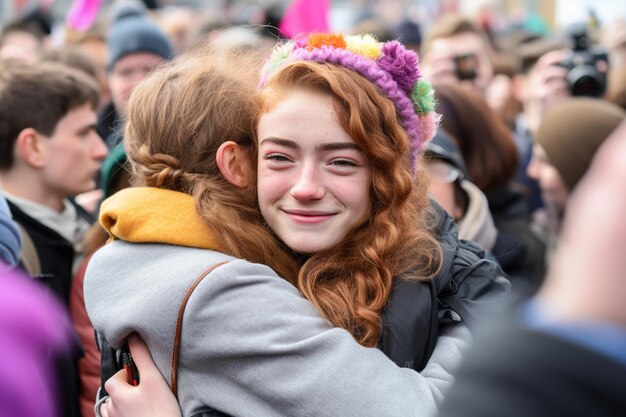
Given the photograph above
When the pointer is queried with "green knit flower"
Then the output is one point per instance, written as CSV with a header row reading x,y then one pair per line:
x,y
423,97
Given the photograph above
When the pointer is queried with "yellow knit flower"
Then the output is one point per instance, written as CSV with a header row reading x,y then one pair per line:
x,y
365,45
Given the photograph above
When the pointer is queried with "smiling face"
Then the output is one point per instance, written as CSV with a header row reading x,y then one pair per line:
x,y
313,181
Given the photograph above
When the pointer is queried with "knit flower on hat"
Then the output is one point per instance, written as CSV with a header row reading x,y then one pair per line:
x,y
390,66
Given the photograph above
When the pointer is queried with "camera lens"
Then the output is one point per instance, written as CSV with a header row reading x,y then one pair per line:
x,y
585,80
586,86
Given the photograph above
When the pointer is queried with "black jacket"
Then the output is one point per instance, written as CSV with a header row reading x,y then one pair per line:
x,y
417,309
517,249
56,256
517,372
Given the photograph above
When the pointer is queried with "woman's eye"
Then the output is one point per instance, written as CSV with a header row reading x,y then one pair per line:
x,y
276,157
344,163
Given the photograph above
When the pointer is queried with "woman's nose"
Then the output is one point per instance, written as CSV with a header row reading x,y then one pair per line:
x,y
308,185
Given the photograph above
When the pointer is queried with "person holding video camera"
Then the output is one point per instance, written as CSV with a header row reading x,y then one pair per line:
x,y
578,70
550,71
456,50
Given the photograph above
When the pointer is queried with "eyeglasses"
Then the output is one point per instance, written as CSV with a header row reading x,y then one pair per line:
x,y
442,171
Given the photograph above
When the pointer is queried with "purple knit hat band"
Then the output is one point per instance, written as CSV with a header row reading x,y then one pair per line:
x,y
391,67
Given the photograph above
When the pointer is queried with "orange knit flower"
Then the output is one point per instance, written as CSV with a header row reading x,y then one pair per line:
x,y
317,40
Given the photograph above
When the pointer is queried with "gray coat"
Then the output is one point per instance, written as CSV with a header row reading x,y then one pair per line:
x,y
251,344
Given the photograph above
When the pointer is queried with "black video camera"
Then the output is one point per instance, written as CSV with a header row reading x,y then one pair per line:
x,y
583,76
466,66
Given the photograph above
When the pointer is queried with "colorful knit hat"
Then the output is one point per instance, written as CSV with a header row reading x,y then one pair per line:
x,y
388,65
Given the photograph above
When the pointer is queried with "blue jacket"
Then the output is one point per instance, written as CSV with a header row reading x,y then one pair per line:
x,y
10,240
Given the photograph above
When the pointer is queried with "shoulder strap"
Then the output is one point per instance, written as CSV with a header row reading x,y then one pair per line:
x,y
28,254
179,325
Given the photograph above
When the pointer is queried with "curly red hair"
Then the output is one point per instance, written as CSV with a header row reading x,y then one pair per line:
x,y
351,282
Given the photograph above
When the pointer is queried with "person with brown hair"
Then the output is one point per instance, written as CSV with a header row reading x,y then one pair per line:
x,y
338,143
484,140
21,40
458,51
49,153
93,43
491,158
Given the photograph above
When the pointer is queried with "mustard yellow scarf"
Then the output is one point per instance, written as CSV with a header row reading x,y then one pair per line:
x,y
155,215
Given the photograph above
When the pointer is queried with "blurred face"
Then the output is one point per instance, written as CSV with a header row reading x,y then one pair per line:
x,y
440,65
442,182
313,181
22,46
73,154
97,51
127,72
553,189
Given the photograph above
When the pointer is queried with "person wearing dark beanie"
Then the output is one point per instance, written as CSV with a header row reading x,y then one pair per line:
x,y
135,47
567,139
134,34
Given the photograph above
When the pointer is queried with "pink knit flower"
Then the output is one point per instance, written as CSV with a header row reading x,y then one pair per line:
x,y
400,63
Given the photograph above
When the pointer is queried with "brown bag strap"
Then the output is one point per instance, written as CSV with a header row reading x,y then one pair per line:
x,y
28,254
179,325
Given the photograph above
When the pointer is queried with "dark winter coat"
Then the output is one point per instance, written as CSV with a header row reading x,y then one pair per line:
x,y
417,309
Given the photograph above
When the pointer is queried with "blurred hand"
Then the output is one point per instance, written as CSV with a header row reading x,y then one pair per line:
x,y
439,67
151,398
545,86
89,200
499,93
586,280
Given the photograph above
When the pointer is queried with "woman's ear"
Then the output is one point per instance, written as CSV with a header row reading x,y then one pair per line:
x,y
235,165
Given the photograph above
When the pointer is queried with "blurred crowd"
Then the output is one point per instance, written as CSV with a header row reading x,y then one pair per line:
x,y
523,114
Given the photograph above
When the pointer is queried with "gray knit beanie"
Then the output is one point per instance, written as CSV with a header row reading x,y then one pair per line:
x,y
135,34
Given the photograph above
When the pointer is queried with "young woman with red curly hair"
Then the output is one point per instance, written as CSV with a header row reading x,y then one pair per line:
x,y
339,182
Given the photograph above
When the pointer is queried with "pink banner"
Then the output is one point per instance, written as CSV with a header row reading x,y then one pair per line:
x,y
82,14
305,16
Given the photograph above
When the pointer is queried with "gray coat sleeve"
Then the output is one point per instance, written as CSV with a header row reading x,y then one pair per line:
x,y
252,346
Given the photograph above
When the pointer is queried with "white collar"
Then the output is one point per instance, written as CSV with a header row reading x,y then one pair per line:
x,y
66,223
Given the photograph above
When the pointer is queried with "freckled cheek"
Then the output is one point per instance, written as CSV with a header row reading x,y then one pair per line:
x,y
355,195
271,187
